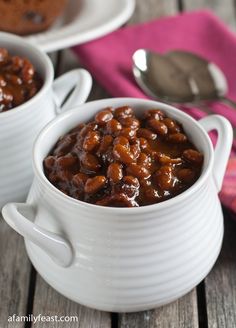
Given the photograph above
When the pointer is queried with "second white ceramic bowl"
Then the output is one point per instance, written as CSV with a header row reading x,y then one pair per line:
x,y
20,126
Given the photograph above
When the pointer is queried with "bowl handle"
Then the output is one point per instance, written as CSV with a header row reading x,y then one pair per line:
x,y
223,146
71,89
15,214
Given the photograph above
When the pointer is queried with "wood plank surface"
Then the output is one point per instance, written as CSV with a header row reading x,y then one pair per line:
x,y
220,284
151,9
225,9
14,276
50,303
179,314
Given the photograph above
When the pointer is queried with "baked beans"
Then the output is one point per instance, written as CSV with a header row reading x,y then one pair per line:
x,y
121,160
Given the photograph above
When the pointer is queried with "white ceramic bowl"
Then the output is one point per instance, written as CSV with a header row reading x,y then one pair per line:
x,y
19,126
125,259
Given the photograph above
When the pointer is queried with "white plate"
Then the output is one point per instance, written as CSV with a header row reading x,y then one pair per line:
x,y
84,22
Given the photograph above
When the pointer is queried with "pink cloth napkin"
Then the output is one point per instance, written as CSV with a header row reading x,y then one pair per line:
x,y
109,60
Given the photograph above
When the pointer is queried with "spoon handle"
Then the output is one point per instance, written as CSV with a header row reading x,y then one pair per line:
x,y
229,101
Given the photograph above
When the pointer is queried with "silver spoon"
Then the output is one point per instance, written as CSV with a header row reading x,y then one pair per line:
x,y
179,77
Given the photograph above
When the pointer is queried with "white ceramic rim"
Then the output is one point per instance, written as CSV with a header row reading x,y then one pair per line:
x,y
32,49
73,34
38,171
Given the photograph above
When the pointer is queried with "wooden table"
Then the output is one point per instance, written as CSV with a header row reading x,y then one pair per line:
x,y
212,304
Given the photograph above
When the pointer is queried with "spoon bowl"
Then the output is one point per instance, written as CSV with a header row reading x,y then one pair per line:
x,y
179,77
